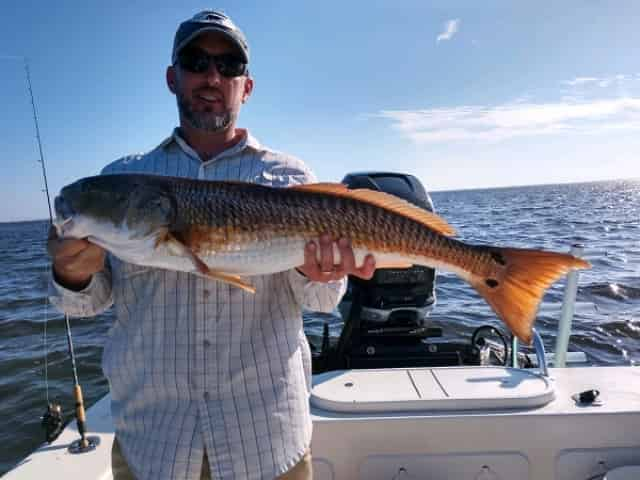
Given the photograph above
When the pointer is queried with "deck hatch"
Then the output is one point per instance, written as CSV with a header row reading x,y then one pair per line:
x,y
446,388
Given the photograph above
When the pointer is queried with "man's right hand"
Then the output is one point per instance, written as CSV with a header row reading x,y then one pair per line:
x,y
74,260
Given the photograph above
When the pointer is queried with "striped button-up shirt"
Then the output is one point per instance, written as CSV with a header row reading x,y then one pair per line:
x,y
196,365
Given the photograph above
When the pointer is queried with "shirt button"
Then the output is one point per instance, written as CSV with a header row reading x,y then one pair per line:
x,y
207,343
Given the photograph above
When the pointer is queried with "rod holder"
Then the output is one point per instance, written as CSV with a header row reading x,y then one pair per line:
x,y
84,445
514,352
568,307
541,355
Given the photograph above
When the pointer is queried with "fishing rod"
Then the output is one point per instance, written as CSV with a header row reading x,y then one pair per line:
x,y
52,420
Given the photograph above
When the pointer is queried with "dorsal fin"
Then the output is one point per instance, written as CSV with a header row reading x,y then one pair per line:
x,y
383,200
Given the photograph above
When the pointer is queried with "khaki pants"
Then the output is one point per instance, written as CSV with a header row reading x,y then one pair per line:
x,y
300,471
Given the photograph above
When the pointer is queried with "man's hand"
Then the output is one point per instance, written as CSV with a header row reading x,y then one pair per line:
x,y
325,270
74,260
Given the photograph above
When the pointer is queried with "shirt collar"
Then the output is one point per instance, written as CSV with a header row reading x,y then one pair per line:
x,y
247,141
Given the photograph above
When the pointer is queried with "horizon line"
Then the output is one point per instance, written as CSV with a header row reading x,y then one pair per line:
x,y
445,190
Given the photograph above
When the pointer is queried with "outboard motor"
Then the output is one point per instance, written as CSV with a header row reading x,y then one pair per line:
x,y
394,299
386,317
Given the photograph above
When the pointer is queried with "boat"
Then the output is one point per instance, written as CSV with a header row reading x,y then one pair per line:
x,y
390,401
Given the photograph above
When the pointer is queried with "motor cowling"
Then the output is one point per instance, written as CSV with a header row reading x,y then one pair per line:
x,y
394,296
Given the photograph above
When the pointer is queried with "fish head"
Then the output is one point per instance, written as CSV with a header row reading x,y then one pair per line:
x,y
115,210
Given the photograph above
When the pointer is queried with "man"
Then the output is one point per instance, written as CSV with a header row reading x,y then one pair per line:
x,y
207,381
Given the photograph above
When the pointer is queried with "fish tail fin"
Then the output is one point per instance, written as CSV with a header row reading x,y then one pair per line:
x,y
525,277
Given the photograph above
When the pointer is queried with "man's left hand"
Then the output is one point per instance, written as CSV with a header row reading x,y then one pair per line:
x,y
326,270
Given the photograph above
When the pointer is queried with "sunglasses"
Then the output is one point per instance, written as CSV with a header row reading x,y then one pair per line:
x,y
196,60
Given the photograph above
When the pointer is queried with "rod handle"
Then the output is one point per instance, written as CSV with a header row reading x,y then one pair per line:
x,y
81,417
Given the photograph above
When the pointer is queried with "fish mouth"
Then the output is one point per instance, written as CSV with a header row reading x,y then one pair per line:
x,y
64,216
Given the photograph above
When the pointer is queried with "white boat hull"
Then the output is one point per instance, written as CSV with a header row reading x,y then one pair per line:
x,y
560,440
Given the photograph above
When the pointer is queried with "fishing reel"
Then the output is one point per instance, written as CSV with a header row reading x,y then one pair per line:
x,y
53,422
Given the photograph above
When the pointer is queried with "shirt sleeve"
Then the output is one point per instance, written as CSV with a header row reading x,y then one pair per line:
x,y
316,296
93,300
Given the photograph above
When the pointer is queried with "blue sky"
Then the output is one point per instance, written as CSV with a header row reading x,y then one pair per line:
x,y
461,94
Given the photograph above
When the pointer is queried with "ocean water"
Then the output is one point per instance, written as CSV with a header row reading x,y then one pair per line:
x,y
603,216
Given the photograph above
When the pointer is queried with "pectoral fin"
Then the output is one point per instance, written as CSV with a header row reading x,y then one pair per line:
x,y
235,280
178,248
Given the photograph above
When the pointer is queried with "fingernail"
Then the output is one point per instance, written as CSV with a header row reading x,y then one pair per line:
x,y
343,242
311,246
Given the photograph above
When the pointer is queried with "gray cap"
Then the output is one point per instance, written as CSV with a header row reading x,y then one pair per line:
x,y
209,21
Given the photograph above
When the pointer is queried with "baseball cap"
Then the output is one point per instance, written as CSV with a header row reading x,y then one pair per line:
x,y
209,21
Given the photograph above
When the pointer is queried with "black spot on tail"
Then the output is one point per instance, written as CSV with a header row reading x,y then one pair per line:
x,y
492,282
498,258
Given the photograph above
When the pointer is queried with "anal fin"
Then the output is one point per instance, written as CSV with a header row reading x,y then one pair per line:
x,y
396,265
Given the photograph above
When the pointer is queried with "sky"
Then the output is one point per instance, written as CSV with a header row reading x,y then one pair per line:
x,y
461,94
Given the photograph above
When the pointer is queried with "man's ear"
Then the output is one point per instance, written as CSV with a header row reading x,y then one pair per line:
x,y
248,88
171,78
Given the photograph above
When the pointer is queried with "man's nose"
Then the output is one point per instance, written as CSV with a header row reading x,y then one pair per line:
x,y
212,75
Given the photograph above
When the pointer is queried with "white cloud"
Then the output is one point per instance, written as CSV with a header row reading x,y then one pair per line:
x,y
496,123
580,81
450,29
602,82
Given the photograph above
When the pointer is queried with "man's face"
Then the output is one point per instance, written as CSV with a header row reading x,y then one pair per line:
x,y
209,101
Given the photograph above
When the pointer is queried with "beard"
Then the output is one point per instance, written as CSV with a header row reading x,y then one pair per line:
x,y
208,121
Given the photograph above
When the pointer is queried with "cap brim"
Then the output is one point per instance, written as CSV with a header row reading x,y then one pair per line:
x,y
199,31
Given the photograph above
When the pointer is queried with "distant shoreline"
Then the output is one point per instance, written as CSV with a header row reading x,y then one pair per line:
x,y
503,187
5,222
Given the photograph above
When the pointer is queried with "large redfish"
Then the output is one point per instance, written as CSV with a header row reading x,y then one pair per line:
x,y
227,230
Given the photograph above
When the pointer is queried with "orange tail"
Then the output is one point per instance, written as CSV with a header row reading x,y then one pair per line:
x,y
526,275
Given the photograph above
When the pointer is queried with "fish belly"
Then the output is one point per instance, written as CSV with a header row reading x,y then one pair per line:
x,y
281,254
258,258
